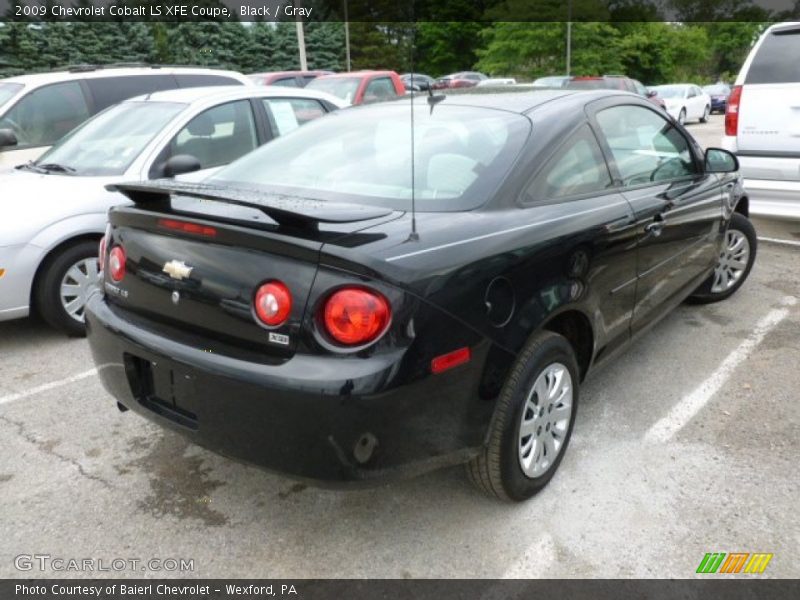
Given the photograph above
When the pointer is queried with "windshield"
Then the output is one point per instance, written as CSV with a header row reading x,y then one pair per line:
x,y
343,87
716,90
364,156
110,142
7,90
670,91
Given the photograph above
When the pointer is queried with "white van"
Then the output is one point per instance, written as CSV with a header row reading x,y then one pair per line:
x,y
38,110
762,123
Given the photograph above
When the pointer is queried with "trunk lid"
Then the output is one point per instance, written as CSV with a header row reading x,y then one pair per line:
x,y
195,261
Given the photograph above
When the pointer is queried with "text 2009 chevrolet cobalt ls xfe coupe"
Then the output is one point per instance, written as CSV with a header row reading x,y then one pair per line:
x,y
293,312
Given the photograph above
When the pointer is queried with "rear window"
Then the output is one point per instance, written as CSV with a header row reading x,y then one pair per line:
x,y
192,80
777,59
364,156
108,91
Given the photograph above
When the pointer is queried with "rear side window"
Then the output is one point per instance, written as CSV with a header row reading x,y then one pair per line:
x,y
777,59
218,136
379,89
578,167
108,91
286,82
47,114
188,81
289,113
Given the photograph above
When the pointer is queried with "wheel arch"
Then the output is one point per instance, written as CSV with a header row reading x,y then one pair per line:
x,y
577,328
48,257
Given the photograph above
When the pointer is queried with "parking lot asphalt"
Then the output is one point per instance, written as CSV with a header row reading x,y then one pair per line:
x,y
687,444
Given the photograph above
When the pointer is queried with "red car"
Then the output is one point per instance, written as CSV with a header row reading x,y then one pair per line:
x,y
459,80
297,79
614,82
361,87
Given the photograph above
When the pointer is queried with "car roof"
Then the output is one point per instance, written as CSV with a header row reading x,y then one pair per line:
x,y
39,79
365,73
523,101
289,73
214,94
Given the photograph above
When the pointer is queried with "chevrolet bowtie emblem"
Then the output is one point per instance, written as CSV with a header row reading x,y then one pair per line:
x,y
177,269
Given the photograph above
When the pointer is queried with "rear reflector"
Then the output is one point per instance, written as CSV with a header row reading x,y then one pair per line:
x,y
732,111
186,227
451,359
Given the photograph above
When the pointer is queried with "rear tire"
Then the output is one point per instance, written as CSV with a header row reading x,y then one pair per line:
x,y
63,286
532,423
682,116
706,112
735,262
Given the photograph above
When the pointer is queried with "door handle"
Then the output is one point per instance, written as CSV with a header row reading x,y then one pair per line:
x,y
655,228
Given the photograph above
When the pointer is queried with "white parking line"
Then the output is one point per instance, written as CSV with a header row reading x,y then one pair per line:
x,y
49,386
690,405
778,241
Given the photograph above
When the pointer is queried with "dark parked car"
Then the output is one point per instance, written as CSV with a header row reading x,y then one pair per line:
x,y
614,82
302,318
459,80
719,93
417,81
298,79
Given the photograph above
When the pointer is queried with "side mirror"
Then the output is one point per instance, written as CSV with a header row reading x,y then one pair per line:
x,y
7,138
181,164
651,93
718,160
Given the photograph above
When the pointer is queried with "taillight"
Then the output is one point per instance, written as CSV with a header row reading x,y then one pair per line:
x,y
116,263
732,111
273,303
356,316
101,254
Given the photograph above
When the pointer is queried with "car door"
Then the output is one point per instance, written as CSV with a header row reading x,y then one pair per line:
x,y
678,207
696,103
216,136
595,257
379,89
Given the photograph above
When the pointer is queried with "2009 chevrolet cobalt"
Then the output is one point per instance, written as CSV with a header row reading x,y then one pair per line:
x,y
353,301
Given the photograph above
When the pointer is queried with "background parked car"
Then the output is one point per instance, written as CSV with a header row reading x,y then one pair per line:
x,y
38,110
685,101
613,82
762,122
459,80
718,93
417,81
494,81
297,79
554,81
55,208
360,87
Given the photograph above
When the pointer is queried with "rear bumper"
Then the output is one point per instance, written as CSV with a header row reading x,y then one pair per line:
x,y
772,183
313,418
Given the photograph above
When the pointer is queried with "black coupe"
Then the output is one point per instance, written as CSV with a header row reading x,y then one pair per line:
x,y
362,298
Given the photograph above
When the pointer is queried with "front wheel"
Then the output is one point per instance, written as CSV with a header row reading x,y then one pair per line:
x,y
532,423
682,116
706,112
736,259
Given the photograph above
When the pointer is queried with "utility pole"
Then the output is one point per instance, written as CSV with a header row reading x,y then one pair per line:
x,y
346,37
569,36
301,44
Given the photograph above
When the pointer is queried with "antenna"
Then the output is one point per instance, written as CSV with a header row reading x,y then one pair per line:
x,y
414,236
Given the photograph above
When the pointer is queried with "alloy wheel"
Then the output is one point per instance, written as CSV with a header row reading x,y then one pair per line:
x,y
732,261
75,287
545,420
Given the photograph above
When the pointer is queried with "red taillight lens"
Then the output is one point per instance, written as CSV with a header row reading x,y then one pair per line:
x,y
356,316
187,227
101,253
273,303
116,263
732,111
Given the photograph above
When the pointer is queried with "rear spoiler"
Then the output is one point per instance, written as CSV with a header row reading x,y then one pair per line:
x,y
285,210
